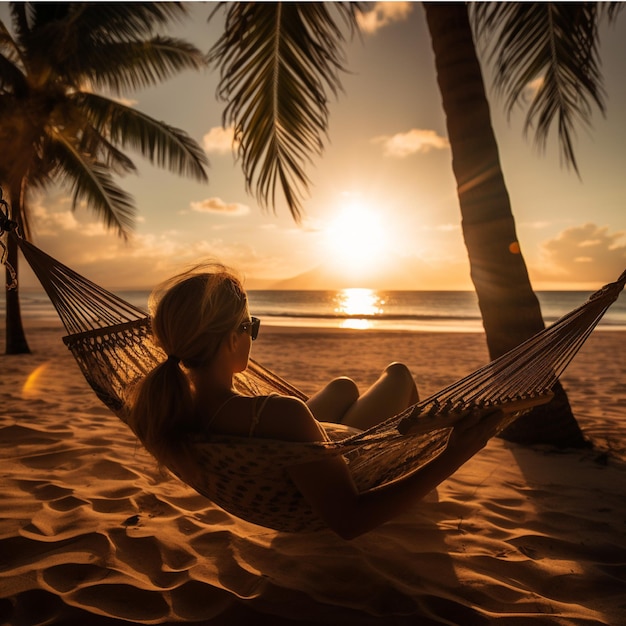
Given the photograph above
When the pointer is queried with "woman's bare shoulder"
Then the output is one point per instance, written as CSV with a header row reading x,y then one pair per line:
x,y
286,417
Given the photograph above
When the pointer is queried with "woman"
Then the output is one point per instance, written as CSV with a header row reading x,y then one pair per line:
x,y
201,320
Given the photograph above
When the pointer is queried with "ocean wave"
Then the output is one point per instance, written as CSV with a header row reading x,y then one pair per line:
x,y
366,316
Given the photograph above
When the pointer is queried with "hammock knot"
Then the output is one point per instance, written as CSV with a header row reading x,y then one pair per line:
x,y
6,223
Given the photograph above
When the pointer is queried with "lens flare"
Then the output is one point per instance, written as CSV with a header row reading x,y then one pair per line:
x,y
30,387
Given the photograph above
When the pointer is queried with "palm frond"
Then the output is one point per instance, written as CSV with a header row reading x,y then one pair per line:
x,y
124,66
556,44
612,9
12,80
19,18
277,61
162,144
8,47
109,39
95,142
124,21
107,21
91,181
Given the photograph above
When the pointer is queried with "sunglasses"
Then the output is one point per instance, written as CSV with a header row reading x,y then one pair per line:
x,y
252,327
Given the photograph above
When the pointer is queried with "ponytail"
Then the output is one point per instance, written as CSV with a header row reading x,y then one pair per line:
x,y
161,410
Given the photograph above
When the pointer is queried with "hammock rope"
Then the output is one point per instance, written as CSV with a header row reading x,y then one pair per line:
x,y
112,343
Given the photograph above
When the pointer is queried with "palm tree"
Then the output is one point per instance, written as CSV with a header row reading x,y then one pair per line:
x,y
55,127
277,59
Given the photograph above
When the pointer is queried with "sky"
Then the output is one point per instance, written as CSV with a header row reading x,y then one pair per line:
x,y
382,210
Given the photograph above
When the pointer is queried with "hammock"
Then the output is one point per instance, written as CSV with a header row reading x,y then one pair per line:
x,y
112,343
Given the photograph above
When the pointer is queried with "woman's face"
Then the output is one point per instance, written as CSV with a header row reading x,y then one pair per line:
x,y
244,344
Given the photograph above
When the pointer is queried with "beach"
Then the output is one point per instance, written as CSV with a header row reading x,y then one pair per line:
x,y
92,532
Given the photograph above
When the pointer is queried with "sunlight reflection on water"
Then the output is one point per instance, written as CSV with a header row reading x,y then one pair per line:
x,y
359,305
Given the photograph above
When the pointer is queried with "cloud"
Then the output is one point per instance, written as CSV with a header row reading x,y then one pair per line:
x,y
81,242
383,14
220,140
414,141
583,254
47,223
217,205
63,219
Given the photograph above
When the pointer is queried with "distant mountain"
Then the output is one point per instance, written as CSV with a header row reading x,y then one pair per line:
x,y
402,274
259,283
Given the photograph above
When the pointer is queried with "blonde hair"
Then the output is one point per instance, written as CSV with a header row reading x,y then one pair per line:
x,y
191,313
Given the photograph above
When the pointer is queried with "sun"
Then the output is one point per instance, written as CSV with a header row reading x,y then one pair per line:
x,y
356,238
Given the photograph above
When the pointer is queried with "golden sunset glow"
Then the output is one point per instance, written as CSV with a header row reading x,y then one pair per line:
x,y
357,302
357,239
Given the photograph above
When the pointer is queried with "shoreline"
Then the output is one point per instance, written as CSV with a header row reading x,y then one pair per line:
x,y
269,325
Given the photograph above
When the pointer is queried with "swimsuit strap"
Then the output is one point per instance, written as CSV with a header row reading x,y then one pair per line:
x,y
219,408
259,405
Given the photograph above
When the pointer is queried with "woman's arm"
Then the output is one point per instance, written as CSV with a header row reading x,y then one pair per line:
x,y
328,486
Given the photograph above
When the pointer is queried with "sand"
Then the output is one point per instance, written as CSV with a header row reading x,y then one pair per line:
x,y
91,533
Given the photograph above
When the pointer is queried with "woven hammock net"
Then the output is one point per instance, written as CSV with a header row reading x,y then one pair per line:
x,y
112,343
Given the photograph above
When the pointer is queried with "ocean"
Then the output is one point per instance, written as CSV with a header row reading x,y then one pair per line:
x,y
439,311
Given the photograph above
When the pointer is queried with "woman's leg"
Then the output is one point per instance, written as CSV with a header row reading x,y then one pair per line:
x,y
393,392
331,403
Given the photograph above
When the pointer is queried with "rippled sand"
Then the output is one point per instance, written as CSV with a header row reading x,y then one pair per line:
x,y
92,533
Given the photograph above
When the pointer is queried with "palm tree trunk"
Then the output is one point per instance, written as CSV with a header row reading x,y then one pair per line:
x,y
15,338
509,307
